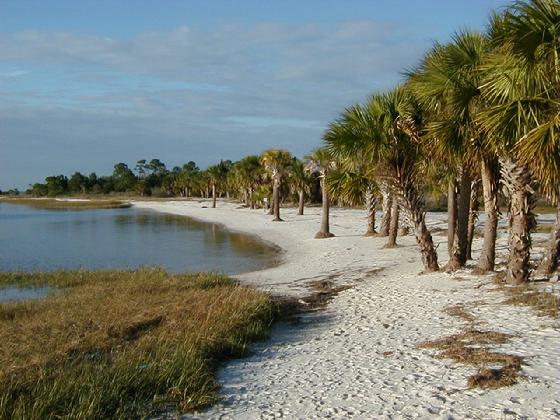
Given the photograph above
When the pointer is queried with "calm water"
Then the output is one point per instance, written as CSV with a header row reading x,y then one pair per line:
x,y
35,239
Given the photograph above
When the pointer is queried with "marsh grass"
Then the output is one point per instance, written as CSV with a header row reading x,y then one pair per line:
x,y
52,204
122,344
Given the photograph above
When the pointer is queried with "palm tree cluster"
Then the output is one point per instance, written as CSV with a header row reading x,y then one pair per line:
x,y
478,113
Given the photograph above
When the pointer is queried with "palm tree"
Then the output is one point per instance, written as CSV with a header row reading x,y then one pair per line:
x,y
353,182
386,131
538,23
247,174
393,225
322,162
386,206
473,215
447,83
276,163
522,87
217,174
300,181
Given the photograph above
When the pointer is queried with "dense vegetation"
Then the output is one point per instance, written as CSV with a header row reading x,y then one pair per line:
x,y
85,352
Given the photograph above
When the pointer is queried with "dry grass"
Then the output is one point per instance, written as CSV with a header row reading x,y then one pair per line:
x,y
116,344
460,312
467,338
471,348
545,303
324,291
52,204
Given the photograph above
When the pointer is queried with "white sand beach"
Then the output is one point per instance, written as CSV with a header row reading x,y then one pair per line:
x,y
358,358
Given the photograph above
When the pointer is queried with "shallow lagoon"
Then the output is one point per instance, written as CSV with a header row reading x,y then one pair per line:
x,y
34,239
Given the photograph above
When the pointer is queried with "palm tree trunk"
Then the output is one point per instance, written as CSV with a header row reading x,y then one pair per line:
x,y
423,237
411,202
473,216
324,232
490,180
276,200
394,228
371,202
251,198
517,179
551,258
301,194
213,196
451,214
386,207
459,251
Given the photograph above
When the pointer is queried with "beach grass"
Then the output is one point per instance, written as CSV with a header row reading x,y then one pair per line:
x,y
122,344
54,204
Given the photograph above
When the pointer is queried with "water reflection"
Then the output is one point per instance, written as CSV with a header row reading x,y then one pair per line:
x,y
37,239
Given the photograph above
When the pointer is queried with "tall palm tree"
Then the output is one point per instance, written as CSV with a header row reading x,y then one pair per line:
x,y
322,162
447,83
522,87
217,174
535,29
386,131
276,163
300,181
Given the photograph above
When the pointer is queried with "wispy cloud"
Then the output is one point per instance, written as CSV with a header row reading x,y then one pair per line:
x,y
184,93
15,73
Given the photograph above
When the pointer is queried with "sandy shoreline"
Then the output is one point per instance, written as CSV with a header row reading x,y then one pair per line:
x,y
359,357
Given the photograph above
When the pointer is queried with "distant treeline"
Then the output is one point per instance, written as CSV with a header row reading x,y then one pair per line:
x,y
244,178
145,178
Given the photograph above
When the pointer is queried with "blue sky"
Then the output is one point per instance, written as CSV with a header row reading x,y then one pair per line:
x,y
85,84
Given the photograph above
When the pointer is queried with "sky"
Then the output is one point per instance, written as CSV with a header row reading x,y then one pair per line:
x,y
86,84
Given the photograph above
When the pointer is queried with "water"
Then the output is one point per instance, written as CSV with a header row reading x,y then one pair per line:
x,y
12,294
38,240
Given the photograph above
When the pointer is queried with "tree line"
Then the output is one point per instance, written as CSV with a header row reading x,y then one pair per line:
x,y
246,179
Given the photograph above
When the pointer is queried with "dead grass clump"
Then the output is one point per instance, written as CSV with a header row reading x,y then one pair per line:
x,y
479,356
493,378
545,303
470,348
468,337
123,344
324,291
459,311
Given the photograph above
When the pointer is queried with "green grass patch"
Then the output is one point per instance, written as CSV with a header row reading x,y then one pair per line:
x,y
52,204
122,344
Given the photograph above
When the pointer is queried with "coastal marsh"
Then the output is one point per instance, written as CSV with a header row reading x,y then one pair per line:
x,y
122,344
